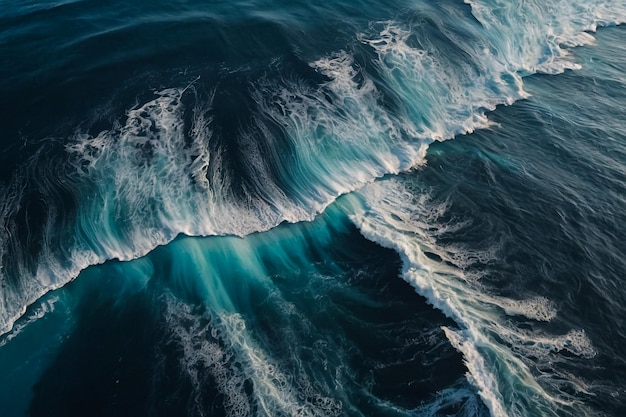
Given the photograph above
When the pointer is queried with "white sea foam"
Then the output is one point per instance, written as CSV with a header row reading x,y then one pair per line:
x,y
440,99
220,344
548,29
542,347
497,352
341,135
535,308
462,399
37,312
478,373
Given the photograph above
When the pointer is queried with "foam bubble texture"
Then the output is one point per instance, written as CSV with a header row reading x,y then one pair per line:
x,y
499,354
220,344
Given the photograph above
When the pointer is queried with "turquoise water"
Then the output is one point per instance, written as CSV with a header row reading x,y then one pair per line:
x,y
257,208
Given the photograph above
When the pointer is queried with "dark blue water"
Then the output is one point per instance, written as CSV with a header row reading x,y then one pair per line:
x,y
356,208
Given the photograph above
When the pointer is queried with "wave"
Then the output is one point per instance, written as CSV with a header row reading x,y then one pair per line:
x,y
222,345
307,319
170,167
397,214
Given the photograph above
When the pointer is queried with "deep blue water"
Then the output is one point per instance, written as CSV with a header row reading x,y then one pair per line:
x,y
357,208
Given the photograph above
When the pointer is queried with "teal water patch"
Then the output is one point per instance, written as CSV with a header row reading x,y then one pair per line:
x,y
308,318
26,352
40,336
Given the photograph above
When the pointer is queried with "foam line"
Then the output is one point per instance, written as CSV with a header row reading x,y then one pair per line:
x,y
220,343
397,214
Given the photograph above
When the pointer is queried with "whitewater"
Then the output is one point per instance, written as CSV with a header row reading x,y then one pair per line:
x,y
339,139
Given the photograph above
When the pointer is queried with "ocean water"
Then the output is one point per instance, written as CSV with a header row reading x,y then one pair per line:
x,y
355,208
